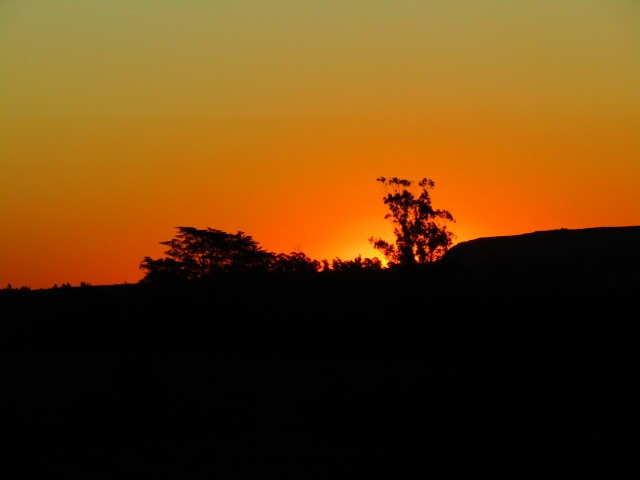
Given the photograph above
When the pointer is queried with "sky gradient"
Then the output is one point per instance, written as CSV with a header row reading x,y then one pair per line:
x,y
122,119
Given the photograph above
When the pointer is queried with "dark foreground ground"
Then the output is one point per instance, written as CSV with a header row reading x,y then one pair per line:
x,y
444,373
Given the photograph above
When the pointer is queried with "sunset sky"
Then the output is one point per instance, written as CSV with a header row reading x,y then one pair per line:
x,y
122,119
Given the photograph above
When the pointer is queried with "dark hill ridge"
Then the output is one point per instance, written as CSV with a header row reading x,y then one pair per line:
x,y
571,274
598,242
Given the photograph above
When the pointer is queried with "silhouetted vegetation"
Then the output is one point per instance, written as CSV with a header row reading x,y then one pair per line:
x,y
511,356
195,254
203,254
23,288
420,230
358,264
501,356
293,263
199,254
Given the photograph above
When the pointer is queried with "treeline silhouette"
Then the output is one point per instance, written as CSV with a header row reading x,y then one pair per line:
x,y
467,295
202,254
420,230
505,356
498,359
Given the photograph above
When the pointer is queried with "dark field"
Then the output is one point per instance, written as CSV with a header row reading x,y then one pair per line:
x,y
515,369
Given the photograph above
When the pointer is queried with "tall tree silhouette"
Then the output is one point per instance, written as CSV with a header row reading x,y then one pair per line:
x,y
420,230
196,254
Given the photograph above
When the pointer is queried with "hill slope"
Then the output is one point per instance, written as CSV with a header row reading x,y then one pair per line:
x,y
611,243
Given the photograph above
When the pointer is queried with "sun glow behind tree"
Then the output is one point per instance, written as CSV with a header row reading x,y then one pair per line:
x,y
120,120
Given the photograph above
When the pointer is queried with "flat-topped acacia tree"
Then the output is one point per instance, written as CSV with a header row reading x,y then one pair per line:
x,y
420,230
195,254
198,254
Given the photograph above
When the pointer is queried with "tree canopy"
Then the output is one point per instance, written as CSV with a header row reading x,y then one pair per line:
x,y
420,230
198,254
195,254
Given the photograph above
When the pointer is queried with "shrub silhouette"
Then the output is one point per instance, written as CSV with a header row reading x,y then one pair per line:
x,y
357,264
294,262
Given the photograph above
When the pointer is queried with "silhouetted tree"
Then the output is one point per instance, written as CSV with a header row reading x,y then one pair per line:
x,y
420,230
195,254
295,262
357,264
162,269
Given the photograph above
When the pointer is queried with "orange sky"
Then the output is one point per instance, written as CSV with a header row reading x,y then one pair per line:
x,y
120,120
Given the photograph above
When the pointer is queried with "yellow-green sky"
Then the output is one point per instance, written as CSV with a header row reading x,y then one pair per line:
x,y
121,119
